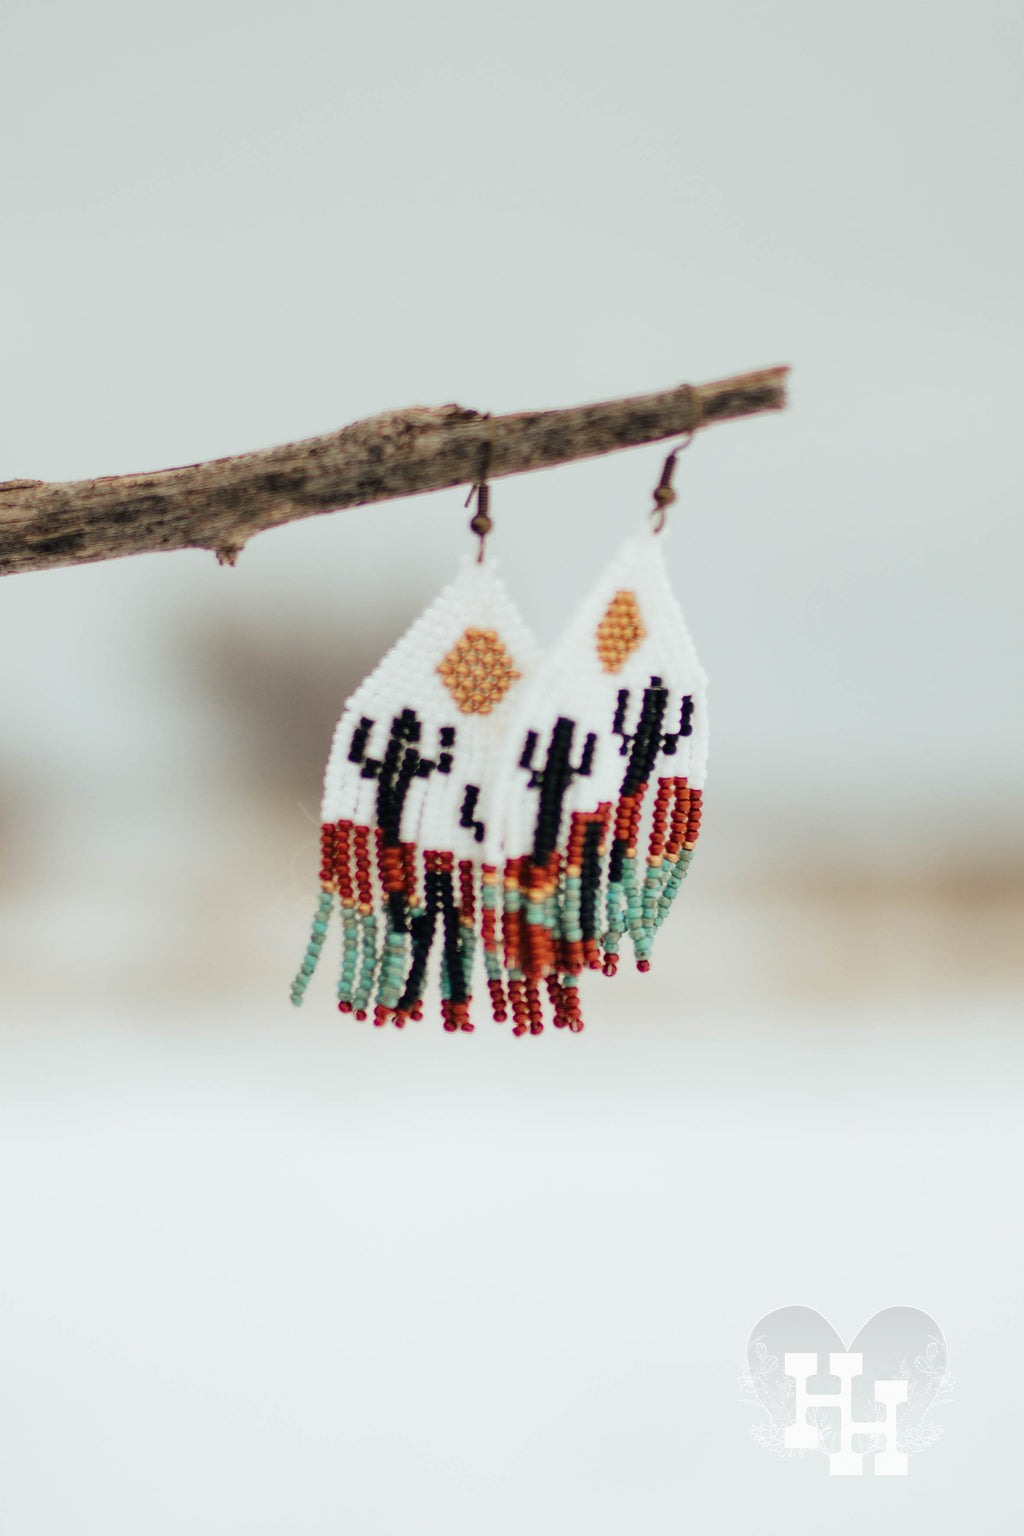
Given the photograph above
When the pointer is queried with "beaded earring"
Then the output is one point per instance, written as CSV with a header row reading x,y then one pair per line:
x,y
479,797
618,710
409,798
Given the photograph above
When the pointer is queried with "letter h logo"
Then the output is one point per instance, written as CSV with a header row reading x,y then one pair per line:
x,y
846,1461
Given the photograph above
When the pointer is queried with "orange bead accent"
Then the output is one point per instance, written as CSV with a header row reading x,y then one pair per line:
x,y
478,671
619,632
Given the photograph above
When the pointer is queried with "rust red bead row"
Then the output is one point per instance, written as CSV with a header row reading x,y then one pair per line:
x,y
660,820
328,837
343,861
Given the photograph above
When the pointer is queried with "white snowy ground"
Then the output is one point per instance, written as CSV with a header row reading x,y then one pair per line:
x,y
269,1274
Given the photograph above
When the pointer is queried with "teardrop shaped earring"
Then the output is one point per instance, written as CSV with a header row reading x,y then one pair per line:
x,y
409,801
608,751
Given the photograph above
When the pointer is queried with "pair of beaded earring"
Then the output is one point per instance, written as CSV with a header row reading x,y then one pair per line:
x,y
489,803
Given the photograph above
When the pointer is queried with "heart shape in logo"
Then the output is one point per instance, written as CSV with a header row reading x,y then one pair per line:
x,y
899,1343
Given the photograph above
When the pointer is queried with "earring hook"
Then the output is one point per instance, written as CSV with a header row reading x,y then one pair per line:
x,y
481,523
664,493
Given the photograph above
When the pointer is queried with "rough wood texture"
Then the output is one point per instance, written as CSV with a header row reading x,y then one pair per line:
x,y
221,504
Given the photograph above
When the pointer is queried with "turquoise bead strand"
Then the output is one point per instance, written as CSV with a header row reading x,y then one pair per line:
x,y
318,933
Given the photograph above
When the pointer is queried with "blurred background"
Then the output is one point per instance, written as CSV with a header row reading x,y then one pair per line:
x,y
269,1272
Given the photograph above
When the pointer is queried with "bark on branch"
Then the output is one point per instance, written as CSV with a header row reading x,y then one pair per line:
x,y
221,504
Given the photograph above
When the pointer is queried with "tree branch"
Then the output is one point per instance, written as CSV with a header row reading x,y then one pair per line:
x,y
221,504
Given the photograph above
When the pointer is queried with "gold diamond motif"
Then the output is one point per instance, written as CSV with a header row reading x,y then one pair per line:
x,y
619,632
478,671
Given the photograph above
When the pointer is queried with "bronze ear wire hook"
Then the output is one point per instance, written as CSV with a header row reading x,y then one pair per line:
x,y
480,523
664,493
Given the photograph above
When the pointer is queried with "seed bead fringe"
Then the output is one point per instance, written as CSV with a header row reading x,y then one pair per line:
x,y
367,922
349,914
318,931
489,890
537,925
537,922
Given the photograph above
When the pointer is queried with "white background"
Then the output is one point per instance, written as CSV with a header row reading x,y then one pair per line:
x,y
267,1273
